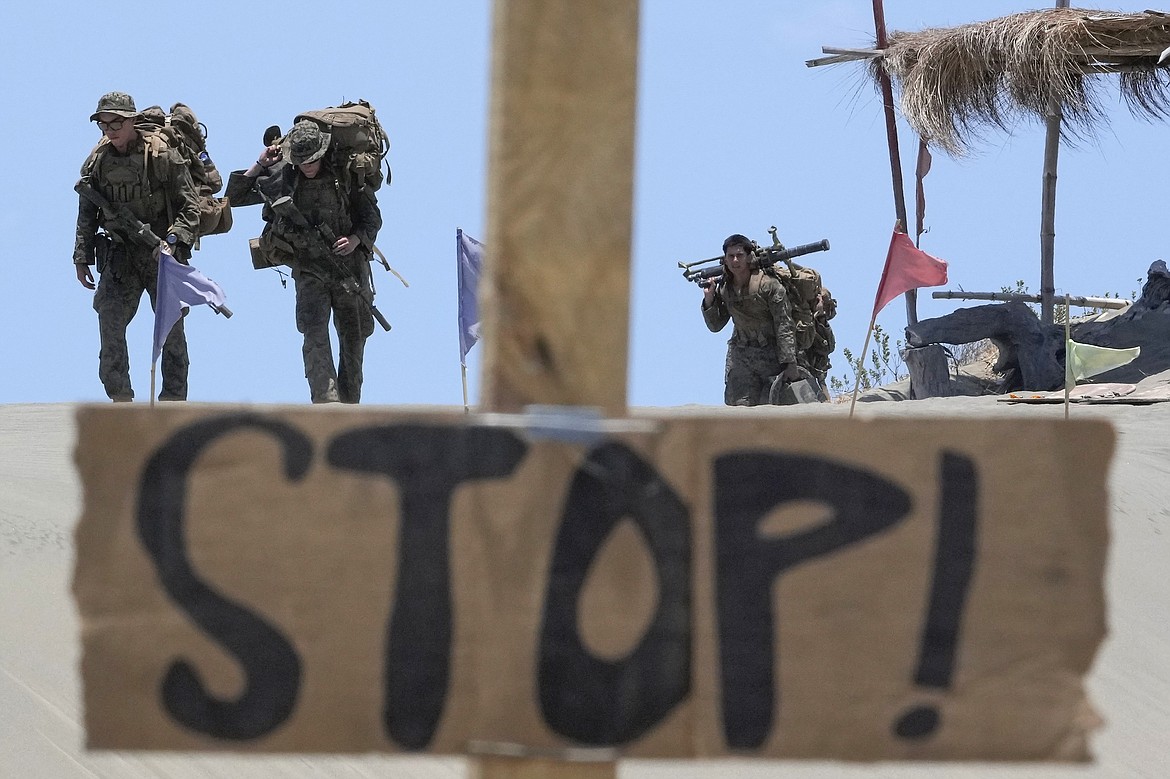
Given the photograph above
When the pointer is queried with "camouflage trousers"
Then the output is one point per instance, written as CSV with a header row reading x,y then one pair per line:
x,y
317,298
749,373
119,291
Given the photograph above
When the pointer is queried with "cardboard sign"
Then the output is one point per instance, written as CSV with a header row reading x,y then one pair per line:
x,y
352,580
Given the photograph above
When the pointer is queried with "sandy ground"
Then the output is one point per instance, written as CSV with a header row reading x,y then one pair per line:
x,y
40,711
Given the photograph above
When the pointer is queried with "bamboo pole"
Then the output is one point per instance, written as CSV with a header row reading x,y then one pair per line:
x,y
1067,356
1048,206
1010,297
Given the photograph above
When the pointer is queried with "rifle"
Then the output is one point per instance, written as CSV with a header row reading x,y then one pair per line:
x,y
766,257
271,136
119,219
285,208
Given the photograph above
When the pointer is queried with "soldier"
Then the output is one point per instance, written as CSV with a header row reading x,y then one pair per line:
x,y
331,275
152,186
761,346
817,355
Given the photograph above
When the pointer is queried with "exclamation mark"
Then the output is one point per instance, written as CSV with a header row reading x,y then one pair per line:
x,y
954,561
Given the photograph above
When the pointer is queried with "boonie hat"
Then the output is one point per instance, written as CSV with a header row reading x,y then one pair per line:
x,y
118,103
305,143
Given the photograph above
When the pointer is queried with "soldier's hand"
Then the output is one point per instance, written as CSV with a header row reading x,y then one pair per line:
x,y
85,276
270,156
708,294
793,372
345,245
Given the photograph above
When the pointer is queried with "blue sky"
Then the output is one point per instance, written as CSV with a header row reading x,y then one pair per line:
x,y
734,134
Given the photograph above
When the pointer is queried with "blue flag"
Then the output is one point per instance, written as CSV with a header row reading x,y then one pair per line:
x,y
179,287
469,254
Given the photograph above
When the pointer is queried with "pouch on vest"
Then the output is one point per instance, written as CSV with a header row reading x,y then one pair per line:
x,y
103,246
270,251
215,215
109,255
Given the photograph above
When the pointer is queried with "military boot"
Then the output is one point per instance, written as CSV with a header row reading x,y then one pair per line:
x,y
326,394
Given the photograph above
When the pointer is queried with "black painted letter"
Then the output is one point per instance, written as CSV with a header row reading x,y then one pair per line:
x,y
427,463
954,563
749,485
272,669
596,701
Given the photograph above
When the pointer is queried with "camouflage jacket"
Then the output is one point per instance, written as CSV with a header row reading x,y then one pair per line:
x,y
761,315
152,182
321,200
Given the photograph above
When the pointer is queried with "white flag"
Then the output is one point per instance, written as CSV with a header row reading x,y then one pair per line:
x,y
1084,360
179,287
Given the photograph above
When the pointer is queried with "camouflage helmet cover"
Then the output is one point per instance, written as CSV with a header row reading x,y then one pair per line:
x,y
305,143
118,103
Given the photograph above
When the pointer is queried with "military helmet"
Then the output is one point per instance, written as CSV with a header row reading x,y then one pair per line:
x,y
305,143
118,103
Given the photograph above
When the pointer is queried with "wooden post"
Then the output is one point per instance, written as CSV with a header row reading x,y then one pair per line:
x,y
494,767
930,375
560,192
556,281
879,23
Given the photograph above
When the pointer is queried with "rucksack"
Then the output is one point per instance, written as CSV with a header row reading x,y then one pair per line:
x,y
358,145
180,129
804,286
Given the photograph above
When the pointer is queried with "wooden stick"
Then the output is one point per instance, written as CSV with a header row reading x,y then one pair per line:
x,y
494,767
1008,297
857,378
1048,206
556,281
1067,356
887,89
555,289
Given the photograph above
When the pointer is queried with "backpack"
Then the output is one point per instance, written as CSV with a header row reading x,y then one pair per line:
x,y
811,327
358,145
181,130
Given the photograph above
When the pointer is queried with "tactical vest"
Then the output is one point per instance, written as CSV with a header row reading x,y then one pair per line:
x,y
322,201
132,180
750,313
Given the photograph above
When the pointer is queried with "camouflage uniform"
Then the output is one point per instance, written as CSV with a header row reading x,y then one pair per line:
x,y
762,341
812,307
816,357
316,270
154,186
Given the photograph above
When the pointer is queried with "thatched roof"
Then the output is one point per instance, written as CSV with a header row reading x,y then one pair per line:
x,y
956,84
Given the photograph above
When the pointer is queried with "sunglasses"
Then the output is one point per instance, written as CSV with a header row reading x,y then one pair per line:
x,y
113,124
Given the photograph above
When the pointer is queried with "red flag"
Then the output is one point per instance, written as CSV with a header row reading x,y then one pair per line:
x,y
907,267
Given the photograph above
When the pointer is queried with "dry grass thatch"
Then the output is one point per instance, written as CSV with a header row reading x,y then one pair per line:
x,y
958,83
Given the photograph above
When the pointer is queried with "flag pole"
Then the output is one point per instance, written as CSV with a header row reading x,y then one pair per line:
x,y
458,320
463,370
1067,352
153,362
869,331
864,350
